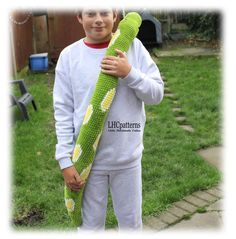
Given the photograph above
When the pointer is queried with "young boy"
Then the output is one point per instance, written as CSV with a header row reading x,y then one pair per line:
x,y
117,164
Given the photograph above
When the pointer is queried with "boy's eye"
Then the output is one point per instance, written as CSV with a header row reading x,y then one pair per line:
x,y
90,14
104,13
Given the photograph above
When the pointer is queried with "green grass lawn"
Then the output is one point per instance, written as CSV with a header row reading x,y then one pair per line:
x,y
171,168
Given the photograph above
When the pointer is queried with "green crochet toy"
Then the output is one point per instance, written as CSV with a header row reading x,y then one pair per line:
x,y
96,114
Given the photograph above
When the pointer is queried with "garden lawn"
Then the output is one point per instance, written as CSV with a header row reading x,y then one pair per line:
x,y
197,85
171,168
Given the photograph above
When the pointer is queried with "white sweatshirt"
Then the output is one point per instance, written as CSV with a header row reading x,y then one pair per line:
x,y
121,143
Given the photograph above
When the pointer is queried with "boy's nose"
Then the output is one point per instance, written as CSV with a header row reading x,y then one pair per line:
x,y
98,19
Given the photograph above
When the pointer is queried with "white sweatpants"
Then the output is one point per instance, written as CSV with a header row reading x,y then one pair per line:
x,y
126,190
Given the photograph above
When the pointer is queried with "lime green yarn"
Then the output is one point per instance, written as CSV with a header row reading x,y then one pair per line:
x,y
96,114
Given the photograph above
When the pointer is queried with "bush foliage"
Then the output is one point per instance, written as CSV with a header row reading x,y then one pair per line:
x,y
207,24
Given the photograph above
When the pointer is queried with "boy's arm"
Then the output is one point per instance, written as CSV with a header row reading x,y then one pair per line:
x,y
63,113
146,81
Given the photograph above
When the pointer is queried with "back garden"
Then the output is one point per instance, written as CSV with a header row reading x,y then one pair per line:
x,y
171,167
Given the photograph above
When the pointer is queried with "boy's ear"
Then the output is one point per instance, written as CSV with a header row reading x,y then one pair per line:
x,y
79,18
115,14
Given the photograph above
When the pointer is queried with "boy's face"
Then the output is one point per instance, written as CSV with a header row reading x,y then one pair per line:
x,y
97,24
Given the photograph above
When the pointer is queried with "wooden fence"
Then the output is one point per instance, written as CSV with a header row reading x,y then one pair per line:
x,y
21,35
45,31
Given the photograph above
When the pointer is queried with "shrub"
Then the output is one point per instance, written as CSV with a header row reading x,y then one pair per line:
x,y
207,24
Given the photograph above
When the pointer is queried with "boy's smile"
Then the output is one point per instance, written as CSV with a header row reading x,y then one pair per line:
x,y
97,24
98,29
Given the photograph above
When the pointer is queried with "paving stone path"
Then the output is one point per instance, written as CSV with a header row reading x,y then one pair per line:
x,y
190,51
177,110
200,210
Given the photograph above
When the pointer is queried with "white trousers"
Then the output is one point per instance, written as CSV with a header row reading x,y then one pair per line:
x,y
126,190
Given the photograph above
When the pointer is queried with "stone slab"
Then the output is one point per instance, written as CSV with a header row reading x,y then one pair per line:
x,y
186,206
199,221
205,196
188,128
213,155
163,78
154,223
215,192
180,118
220,186
196,51
216,206
169,95
175,102
168,218
178,212
176,109
167,90
195,201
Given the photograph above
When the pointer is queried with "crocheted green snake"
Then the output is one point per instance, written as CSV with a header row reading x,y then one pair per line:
x,y
96,114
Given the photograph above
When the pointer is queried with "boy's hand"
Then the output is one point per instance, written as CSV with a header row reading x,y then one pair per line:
x,y
72,179
116,65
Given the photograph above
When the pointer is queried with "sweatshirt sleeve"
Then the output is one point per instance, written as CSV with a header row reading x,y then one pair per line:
x,y
63,113
146,79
